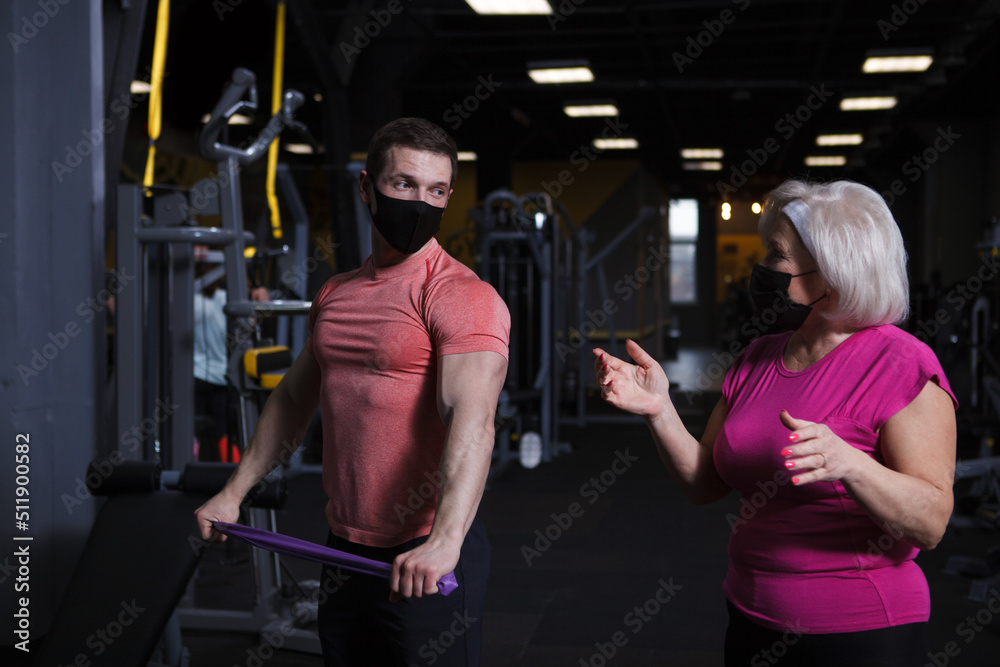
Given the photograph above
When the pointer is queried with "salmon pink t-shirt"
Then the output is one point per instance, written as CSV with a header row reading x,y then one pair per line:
x,y
810,557
377,334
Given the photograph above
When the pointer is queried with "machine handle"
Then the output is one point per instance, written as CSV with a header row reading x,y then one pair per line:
x,y
244,83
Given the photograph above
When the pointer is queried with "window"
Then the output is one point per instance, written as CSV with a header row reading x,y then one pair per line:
x,y
683,222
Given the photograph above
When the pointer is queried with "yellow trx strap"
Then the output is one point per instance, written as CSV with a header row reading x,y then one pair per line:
x,y
276,88
156,85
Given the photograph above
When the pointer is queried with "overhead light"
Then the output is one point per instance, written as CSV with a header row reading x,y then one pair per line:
x,y
616,144
702,165
140,87
467,156
899,63
590,110
867,103
235,119
727,210
300,149
701,153
826,161
839,139
567,71
487,7
755,207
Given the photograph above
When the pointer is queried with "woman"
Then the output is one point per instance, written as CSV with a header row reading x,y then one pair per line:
x,y
840,428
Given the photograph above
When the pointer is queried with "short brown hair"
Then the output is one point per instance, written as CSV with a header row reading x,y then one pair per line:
x,y
415,133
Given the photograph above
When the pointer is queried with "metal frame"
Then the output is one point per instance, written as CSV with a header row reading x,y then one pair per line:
x,y
557,268
505,252
154,352
584,266
296,340
154,359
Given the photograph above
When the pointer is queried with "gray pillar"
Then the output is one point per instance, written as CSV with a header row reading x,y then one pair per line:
x,y
51,281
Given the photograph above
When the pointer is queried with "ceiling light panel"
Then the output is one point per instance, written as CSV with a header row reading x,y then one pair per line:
x,y
867,103
839,139
492,7
882,64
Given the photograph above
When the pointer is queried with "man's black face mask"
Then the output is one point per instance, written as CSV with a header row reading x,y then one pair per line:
x,y
405,224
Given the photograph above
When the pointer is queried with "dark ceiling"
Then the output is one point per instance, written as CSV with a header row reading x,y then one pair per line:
x,y
743,75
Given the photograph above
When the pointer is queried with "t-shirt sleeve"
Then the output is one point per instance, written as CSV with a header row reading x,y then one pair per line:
x,y
467,315
904,369
317,305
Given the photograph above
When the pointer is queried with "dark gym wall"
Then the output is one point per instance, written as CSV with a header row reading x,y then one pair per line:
x,y
51,267
957,196
992,175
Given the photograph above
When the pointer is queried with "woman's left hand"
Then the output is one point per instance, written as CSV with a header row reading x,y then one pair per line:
x,y
816,454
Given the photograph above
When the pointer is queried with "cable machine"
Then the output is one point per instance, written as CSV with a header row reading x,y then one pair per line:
x,y
517,255
541,265
153,344
966,338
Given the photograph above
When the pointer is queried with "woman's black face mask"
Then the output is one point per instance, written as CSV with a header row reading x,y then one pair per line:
x,y
769,291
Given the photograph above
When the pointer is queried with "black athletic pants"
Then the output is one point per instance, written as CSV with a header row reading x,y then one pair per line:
x,y
751,645
359,626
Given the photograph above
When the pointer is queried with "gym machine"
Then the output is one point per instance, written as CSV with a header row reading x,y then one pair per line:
x,y
268,612
585,264
144,533
541,265
968,344
155,233
516,256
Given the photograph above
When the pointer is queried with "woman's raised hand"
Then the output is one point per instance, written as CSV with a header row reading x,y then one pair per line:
x,y
640,388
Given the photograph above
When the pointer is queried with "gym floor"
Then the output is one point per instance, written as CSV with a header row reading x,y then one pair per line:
x,y
560,599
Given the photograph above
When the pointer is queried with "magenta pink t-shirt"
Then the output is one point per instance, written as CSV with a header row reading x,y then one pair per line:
x,y
810,558
377,334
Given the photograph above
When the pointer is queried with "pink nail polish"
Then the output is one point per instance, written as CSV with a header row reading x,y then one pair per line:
x,y
793,436
786,452
795,480
789,464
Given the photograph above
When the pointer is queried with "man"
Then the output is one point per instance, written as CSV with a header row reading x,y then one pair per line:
x,y
406,357
211,359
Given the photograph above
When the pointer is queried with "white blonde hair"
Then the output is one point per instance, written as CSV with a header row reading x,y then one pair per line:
x,y
850,232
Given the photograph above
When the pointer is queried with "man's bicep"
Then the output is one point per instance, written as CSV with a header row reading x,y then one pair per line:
x,y
302,381
470,379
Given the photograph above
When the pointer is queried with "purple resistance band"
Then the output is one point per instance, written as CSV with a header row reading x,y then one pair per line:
x,y
292,546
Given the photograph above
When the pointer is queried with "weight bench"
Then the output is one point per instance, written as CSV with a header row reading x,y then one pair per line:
x,y
265,366
142,550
